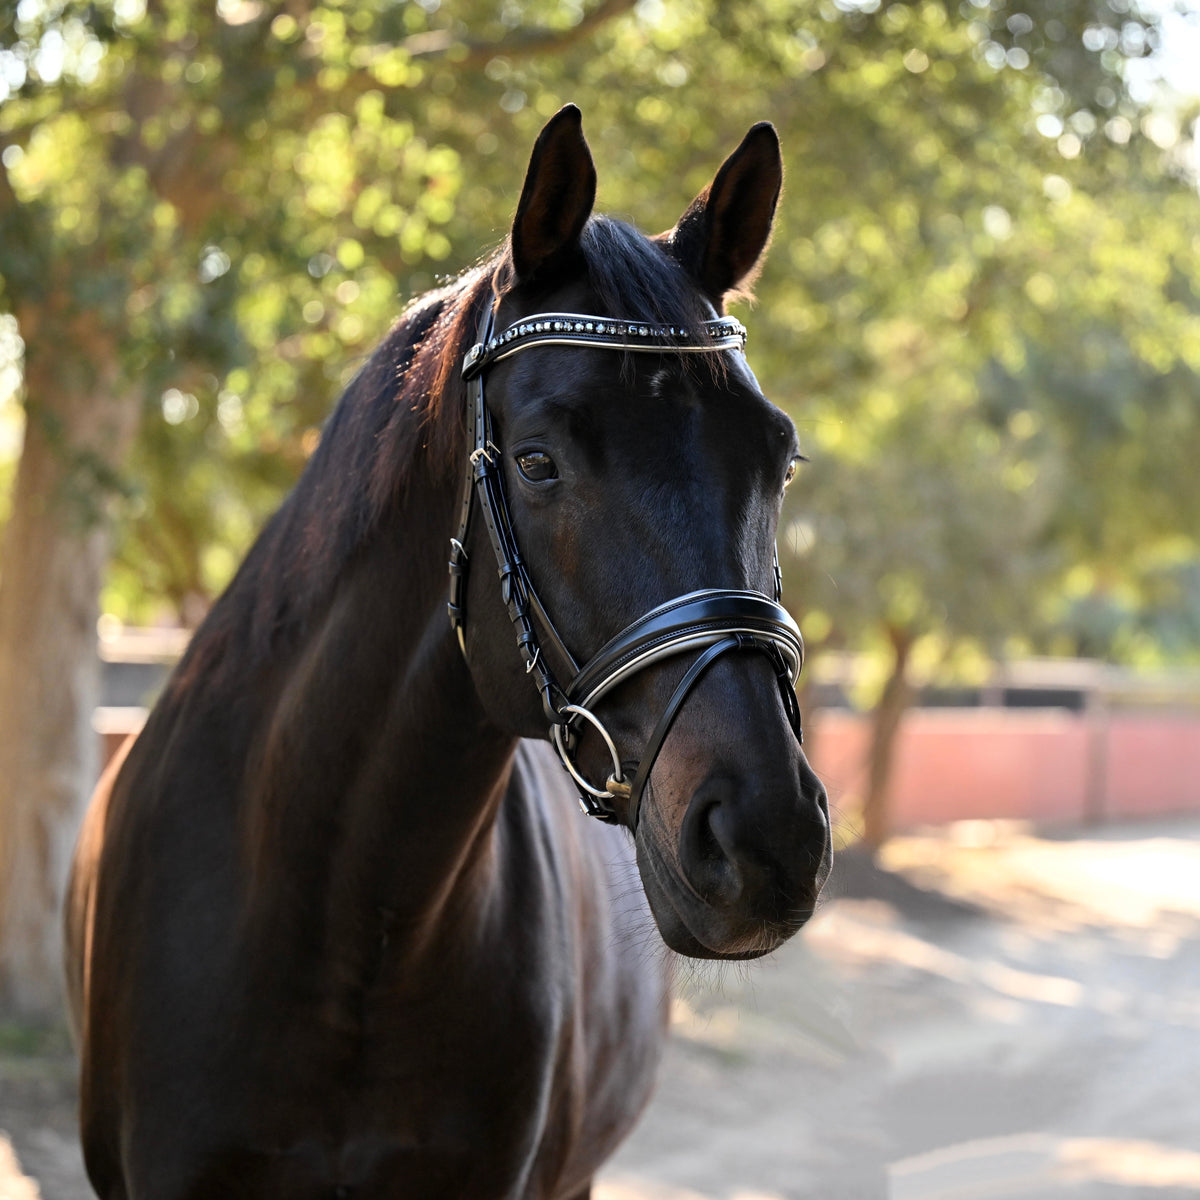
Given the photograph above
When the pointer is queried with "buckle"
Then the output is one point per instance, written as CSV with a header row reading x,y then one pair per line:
x,y
471,358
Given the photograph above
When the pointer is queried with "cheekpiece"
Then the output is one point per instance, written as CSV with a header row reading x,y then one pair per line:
x,y
576,329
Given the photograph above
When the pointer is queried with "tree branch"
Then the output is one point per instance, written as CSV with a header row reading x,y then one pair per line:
x,y
524,44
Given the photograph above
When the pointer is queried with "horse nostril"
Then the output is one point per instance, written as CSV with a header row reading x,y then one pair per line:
x,y
707,853
730,863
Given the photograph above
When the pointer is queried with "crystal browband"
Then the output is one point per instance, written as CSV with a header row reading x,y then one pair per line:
x,y
575,329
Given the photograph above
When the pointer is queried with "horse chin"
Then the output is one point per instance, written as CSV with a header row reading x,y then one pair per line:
x,y
679,938
691,927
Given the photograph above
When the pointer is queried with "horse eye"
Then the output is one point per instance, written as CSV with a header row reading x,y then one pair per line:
x,y
536,466
792,468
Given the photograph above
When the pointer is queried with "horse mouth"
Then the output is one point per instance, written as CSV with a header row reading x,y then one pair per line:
x,y
690,926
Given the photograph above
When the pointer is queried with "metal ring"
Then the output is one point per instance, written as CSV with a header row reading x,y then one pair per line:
x,y
560,746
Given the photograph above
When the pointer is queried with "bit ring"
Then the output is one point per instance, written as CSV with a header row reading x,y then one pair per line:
x,y
557,732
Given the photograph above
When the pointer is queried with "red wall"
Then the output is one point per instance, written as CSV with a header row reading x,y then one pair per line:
x,y
1039,764
1035,764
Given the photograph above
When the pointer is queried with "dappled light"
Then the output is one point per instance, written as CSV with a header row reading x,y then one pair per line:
x,y
1040,1163
1113,883
866,936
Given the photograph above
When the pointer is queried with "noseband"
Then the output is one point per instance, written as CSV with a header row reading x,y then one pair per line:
x,y
710,622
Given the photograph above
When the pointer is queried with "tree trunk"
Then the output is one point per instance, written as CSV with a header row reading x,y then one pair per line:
x,y
54,553
885,724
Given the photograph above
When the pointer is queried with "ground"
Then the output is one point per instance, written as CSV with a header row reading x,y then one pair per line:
x,y
995,1016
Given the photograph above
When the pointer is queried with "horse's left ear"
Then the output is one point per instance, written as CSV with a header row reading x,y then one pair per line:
x,y
722,236
557,199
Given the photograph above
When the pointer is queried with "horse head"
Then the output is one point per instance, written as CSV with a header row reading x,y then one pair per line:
x,y
632,499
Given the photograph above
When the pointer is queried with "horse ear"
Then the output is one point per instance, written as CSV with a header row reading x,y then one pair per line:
x,y
557,199
722,236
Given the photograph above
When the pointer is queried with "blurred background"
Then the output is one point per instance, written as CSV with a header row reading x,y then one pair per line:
x,y
982,310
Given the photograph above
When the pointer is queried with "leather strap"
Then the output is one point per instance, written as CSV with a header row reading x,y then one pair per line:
x,y
736,641
688,622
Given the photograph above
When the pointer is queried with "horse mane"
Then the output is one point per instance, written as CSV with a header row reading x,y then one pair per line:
x,y
400,423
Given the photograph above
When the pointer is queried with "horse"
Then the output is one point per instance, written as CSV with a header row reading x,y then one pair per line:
x,y
335,927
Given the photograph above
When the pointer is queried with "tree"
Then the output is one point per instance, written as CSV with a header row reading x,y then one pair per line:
x,y
933,535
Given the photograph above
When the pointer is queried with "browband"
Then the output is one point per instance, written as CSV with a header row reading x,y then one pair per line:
x,y
575,329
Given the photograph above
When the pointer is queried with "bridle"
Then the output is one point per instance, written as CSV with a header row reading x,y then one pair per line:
x,y
712,621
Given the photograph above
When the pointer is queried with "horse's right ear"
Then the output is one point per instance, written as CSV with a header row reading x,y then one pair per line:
x,y
721,238
557,199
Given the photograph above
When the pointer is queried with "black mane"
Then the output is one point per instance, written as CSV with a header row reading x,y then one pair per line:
x,y
636,278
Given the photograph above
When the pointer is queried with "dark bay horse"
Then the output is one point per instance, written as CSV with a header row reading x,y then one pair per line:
x,y
335,928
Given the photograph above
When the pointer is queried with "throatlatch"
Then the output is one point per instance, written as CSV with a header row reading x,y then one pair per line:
x,y
712,621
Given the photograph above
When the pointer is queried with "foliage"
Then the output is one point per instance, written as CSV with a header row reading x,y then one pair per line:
x,y
980,306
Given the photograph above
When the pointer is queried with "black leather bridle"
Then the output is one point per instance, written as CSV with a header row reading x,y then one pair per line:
x,y
712,621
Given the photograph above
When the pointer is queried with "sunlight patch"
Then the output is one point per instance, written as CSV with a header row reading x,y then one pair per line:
x,y
1002,1168
14,1184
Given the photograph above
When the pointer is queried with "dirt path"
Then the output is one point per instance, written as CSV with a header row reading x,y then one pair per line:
x,y
1010,1018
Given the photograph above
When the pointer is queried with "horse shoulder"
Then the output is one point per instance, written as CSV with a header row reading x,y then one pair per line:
x,y
616,1003
151,917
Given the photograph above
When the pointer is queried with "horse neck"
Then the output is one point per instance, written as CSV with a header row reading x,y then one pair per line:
x,y
378,771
